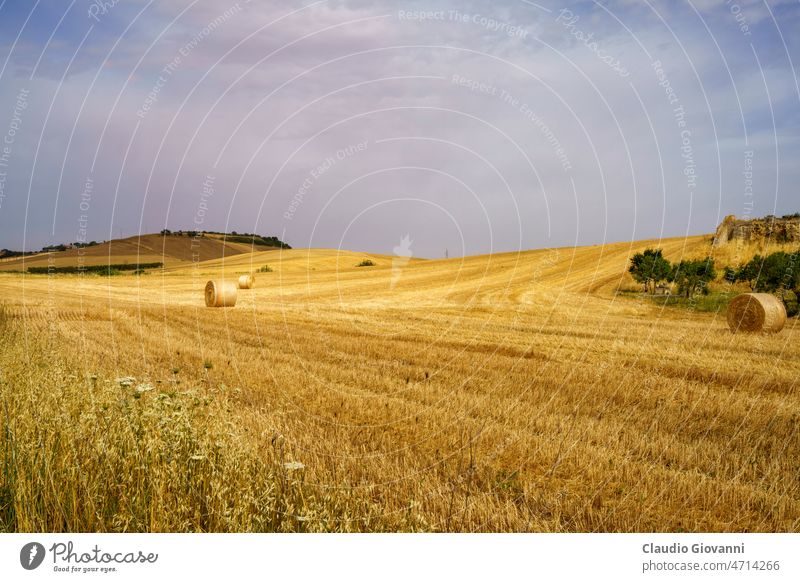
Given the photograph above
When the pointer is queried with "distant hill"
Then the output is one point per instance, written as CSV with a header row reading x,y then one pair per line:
x,y
171,249
7,254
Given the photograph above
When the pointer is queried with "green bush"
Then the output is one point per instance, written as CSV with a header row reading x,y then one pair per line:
x,y
778,273
693,276
792,308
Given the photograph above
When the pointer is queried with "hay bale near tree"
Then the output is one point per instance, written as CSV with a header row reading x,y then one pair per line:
x,y
247,281
221,294
756,312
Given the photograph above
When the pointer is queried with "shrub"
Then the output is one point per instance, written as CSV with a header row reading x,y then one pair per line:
x,y
366,263
777,272
693,276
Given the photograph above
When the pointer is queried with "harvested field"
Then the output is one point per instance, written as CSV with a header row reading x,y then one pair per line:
x,y
509,392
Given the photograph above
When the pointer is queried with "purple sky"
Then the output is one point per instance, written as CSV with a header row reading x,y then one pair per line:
x,y
472,126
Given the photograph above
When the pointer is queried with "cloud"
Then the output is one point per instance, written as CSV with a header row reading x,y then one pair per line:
x,y
487,126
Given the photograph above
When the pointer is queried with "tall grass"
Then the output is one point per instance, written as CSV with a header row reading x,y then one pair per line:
x,y
99,454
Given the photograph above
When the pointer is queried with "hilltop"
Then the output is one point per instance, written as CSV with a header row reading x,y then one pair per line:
x,y
170,248
767,230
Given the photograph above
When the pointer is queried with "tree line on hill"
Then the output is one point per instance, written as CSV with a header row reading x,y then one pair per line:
x,y
233,236
7,254
776,273
238,237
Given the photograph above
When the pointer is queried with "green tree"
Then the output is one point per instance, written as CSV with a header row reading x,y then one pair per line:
x,y
793,283
781,273
649,268
750,272
793,280
693,276
730,274
776,273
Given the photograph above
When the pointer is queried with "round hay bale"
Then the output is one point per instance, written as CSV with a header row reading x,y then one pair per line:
x,y
221,294
247,282
756,312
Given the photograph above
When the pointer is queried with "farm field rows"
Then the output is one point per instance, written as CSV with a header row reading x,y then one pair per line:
x,y
506,392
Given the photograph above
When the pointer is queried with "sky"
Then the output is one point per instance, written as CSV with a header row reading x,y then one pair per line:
x,y
468,127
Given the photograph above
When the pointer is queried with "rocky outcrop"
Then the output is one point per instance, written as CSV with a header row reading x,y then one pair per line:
x,y
768,229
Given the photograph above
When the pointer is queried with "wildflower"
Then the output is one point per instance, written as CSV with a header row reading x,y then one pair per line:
x,y
126,381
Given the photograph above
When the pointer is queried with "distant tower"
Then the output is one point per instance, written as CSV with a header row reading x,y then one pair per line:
x,y
446,254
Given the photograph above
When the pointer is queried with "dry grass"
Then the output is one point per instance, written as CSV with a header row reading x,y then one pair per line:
x,y
508,392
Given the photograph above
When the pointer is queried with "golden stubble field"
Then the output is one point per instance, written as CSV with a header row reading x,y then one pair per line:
x,y
510,392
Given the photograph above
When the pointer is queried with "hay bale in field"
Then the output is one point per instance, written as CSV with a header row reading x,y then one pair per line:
x,y
247,282
221,294
756,312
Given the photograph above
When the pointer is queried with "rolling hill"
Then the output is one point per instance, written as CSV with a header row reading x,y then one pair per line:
x,y
504,392
149,248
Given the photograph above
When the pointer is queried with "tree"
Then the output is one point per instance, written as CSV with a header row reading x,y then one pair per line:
x,y
649,267
780,273
793,279
729,274
776,273
693,276
750,272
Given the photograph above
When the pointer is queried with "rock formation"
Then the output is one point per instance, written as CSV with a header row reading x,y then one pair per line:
x,y
768,229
